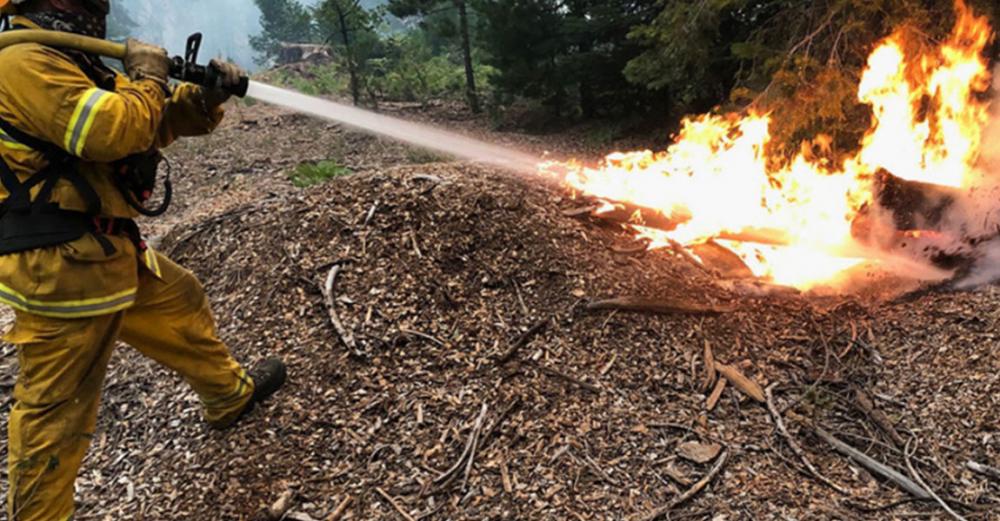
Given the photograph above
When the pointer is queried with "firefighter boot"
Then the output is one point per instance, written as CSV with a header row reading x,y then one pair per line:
x,y
267,377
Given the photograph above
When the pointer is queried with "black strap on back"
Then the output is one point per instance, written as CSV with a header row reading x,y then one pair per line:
x,y
61,165
26,223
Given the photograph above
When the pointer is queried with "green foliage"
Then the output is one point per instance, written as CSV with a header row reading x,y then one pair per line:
x,y
410,70
801,60
569,54
282,21
352,31
311,174
447,21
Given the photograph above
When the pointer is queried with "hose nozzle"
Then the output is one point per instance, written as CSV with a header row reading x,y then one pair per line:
x,y
187,69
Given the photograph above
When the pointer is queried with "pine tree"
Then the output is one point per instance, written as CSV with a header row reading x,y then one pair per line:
x,y
425,8
350,28
282,21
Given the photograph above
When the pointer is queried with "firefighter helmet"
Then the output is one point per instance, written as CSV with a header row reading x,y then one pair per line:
x,y
99,6
10,6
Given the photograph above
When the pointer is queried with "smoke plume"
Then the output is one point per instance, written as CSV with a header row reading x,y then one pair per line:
x,y
983,209
227,25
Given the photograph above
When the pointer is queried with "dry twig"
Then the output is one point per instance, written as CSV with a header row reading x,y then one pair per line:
x,y
571,379
395,504
985,470
691,492
345,335
713,399
865,403
738,379
341,508
466,458
278,509
659,306
780,425
523,340
710,371
916,477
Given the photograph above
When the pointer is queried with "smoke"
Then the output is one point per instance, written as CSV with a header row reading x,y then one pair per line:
x,y
978,216
227,25
984,204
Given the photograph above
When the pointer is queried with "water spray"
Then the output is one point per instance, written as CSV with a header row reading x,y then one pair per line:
x,y
423,136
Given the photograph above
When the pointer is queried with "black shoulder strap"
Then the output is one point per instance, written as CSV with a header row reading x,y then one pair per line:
x,y
51,152
60,165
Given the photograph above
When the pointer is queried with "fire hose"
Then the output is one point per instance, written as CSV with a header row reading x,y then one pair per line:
x,y
184,68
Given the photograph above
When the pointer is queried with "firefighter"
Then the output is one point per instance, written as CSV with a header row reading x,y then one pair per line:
x,y
76,142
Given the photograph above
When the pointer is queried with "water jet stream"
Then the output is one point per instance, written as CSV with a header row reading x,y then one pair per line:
x,y
423,136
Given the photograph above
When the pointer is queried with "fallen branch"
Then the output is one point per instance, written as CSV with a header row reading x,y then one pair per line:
x,y
691,492
985,470
634,215
874,466
345,336
659,306
392,501
626,213
780,425
523,340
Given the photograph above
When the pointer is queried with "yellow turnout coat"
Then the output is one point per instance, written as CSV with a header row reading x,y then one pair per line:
x,y
44,93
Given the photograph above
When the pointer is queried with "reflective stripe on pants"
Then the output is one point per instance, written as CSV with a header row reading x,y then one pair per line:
x,y
62,368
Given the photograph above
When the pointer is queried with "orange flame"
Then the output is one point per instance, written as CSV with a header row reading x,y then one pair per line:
x,y
718,180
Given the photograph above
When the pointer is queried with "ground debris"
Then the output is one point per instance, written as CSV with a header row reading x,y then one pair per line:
x,y
444,269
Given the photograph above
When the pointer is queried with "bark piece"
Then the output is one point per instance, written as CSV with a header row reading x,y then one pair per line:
x,y
741,382
713,399
699,452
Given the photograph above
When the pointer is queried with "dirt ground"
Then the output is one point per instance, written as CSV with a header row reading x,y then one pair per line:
x,y
469,294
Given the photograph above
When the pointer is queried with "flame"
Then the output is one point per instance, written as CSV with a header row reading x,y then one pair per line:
x,y
717,179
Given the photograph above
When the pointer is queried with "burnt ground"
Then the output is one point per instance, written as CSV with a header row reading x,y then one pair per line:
x,y
443,266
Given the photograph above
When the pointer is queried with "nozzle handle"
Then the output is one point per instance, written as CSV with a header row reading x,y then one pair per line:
x,y
187,69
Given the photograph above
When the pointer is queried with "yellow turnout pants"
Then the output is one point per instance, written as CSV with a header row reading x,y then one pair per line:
x,y
62,367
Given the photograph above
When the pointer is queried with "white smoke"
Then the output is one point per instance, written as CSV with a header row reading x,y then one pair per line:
x,y
983,209
227,25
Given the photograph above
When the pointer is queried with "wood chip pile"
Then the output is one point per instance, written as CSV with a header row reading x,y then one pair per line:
x,y
497,359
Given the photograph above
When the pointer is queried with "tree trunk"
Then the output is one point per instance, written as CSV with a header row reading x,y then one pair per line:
x,y
470,76
351,66
588,104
